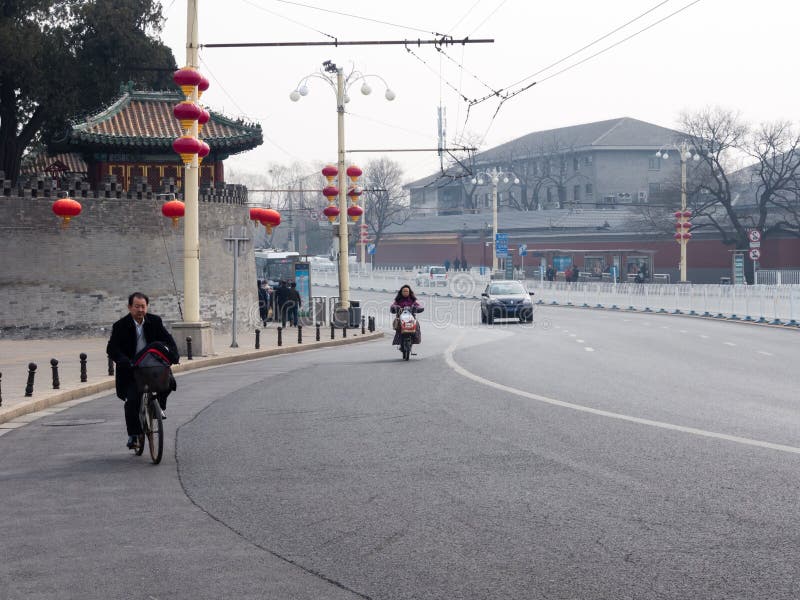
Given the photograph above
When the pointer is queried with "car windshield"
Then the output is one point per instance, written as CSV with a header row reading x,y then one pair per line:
x,y
438,270
509,287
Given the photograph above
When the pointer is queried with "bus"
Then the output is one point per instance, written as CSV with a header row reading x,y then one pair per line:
x,y
274,266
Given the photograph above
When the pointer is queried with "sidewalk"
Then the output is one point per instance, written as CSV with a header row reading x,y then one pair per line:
x,y
15,355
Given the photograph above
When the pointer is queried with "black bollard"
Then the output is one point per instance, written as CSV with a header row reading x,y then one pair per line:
x,y
333,331
54,365
371,324
344,331
188,348
317,332
280,336
110,366
363,328
258,339
299,334
31,375
1,389
83,367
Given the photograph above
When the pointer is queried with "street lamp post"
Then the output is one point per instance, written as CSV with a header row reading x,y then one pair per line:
x,y
494,176
340,87
682,224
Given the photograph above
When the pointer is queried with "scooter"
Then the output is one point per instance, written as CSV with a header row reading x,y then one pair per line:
x,y
407,325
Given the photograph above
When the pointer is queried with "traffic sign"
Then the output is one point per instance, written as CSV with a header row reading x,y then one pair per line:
x,y
754,235
501,245
755,254
523,249
370,248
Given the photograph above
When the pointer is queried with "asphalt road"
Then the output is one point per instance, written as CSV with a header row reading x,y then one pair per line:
x,y
590,455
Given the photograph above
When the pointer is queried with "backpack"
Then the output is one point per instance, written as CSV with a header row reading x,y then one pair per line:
x,y
151,368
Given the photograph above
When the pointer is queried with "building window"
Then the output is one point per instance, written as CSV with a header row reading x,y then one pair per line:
x,y
655,188
654,163
549,195
588,189
587,160
575,164
576,193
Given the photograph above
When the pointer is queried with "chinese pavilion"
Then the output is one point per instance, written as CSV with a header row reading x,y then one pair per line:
x,y
131,140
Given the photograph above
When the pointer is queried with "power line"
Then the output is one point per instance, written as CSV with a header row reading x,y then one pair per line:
x,y
508,96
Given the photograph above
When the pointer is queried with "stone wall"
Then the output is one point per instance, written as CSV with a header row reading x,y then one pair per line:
x,y
78,278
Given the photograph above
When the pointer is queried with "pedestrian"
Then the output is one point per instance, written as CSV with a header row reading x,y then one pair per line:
x,y
456,264
464,266
263,302
281,297
446,265
550,273
130,336
576,273
293,303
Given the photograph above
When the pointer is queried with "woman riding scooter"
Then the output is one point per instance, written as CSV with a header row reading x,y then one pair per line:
x,y
405,298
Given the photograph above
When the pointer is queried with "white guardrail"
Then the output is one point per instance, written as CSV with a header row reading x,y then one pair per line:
x,y
778,304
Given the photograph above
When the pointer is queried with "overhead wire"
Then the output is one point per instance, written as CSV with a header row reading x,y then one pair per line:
x,y
280,16
241,111
506,97
344,14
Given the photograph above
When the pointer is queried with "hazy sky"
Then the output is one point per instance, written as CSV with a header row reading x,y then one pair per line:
x,y
736,54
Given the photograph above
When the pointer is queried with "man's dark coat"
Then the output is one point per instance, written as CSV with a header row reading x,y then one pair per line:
x,y
122,346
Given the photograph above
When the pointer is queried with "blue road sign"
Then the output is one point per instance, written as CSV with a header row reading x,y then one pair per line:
x,y
501,245
523,249
370,248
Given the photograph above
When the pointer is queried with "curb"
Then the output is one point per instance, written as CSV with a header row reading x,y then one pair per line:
x,y
30,406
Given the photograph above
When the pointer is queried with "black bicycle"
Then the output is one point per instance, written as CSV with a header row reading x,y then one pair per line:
x,y
150,381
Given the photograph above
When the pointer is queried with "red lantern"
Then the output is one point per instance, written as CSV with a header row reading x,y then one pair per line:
x,y
330,192
331,212
187,113
686,224
187,78
204,118
354,212
353,172
354,192
66,208
256,214
687,214
678,237
174,209
687,236
330,172
187,146
270,218
202,152
202,86
677,214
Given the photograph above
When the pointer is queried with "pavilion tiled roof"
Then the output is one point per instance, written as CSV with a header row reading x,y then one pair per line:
x,y
144,121
40,162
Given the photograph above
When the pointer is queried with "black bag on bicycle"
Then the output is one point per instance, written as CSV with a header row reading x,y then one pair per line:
x,y
151,368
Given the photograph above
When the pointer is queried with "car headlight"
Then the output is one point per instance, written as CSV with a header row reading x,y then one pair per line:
x,y
527,301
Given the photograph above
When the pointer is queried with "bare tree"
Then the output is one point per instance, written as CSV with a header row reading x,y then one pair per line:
x,y
729,199
385,200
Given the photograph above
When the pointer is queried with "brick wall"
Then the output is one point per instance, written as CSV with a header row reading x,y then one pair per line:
x,y
80,277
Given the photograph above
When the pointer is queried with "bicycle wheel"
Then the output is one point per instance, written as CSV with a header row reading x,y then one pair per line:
x,y
142,424
155,430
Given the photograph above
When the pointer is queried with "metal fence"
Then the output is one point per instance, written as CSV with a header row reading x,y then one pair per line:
x,y
778,277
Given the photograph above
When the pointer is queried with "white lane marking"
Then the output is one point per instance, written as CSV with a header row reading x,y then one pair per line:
x,y
448,356
579,341
573,334
588,349
729,343
705,337
683,331
765,353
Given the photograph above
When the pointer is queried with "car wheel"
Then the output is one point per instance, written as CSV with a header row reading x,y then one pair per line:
x,y
483,317
490,317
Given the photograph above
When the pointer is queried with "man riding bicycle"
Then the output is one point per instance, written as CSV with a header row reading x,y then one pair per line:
x,y
130,336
